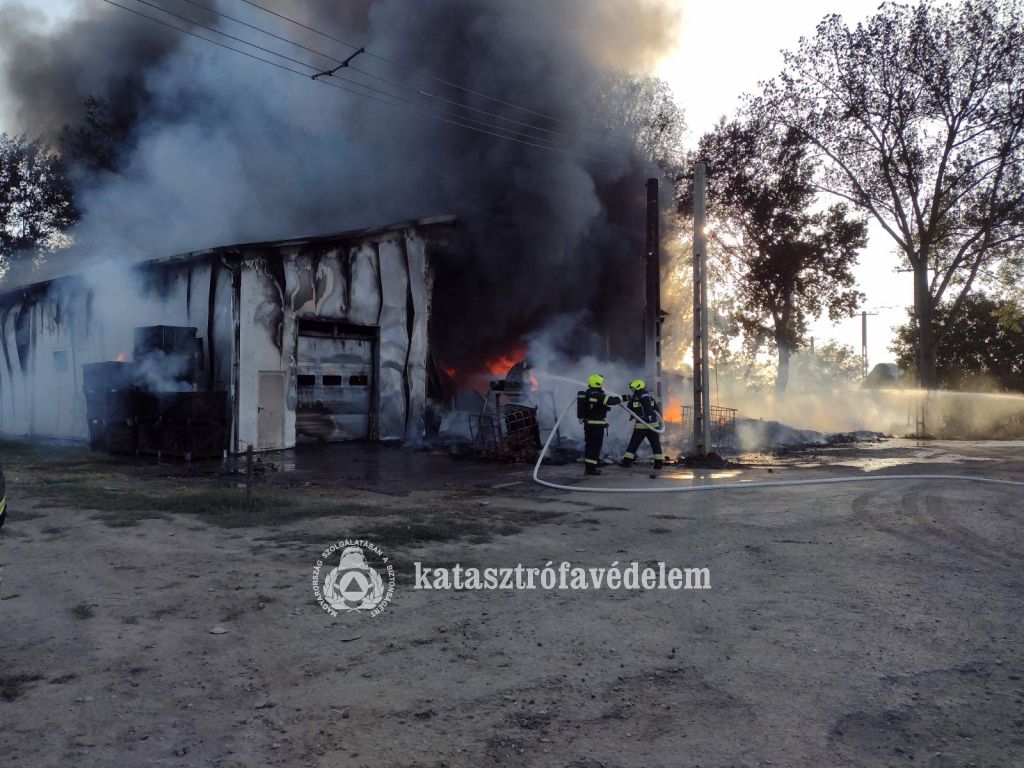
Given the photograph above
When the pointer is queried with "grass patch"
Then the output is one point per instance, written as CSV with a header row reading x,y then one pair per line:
x,y
121,507
16,456
121,499
424,526
13,686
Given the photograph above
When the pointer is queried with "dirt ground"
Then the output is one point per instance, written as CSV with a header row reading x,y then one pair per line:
x,y
874,624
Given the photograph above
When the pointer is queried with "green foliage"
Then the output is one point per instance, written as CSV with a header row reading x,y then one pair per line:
x,y
36,201
828,365
98,143
983,350
791,260
645,108
916,116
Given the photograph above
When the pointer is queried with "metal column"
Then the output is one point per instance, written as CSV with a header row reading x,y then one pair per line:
x,y
701,376
652,292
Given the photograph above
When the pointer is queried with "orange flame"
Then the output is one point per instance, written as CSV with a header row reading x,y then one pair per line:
x,y
121,357
500,366
673,411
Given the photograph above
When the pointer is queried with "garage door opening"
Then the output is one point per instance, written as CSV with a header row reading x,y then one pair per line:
x,y
335,379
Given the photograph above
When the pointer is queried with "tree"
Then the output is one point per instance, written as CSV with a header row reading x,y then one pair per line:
x,y
99,141
830,364
793,262
644,108
984,348
36,203
917,115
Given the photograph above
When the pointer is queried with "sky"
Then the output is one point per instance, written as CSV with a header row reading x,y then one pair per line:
x,y
724,48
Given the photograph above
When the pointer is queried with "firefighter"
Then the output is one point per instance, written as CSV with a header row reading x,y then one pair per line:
x,y
592,408
643,407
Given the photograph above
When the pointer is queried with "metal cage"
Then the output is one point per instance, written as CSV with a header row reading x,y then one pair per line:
x,y
723,425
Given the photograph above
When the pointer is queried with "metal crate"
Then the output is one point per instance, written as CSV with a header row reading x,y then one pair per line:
x,y
723,425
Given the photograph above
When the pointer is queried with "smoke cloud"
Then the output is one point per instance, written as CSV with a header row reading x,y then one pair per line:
x,y
223,149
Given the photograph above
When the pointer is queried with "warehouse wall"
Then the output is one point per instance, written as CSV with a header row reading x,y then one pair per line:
x,y
48,331
380,283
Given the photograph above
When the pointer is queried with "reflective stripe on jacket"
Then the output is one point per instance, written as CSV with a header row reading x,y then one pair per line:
x,y
644,408
599,403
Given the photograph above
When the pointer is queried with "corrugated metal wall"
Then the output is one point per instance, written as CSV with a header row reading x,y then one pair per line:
x,y
377,285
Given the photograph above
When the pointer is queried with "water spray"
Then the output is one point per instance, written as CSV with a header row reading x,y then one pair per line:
x,y
743,486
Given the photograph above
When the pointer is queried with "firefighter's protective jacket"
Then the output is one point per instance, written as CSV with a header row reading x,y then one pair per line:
x,y
597,404
644,408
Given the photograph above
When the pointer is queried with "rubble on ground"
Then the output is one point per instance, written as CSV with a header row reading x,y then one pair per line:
x,y
760,435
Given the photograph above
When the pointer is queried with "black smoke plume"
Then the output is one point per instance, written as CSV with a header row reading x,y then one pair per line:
x,y
208,147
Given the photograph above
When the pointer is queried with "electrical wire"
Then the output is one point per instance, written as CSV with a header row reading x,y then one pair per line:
x,y
552,144
469,107
200,37
746,486
224,34
420,111
427,75
402,86
223,15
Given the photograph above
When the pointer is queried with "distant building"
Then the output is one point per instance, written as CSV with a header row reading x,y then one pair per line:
x,y
884,376
316,338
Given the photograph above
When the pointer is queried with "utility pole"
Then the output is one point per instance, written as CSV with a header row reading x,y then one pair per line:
x,y
652,302
701,377
864,340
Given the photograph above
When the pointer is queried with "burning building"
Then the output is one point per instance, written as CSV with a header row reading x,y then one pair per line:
x,y
539,135
308,339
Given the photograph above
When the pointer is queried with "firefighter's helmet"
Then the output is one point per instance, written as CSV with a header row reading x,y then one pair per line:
x,y
637,384
596,381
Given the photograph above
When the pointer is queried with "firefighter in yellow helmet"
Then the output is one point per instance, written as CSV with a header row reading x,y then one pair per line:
x,y
592,406
644,409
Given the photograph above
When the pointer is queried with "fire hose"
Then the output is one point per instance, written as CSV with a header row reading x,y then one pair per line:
x,y
742,485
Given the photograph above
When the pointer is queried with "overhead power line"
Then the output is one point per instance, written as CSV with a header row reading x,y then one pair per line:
x,y
416,109
345,64
450,84
460,105
223,34
200,37
419,108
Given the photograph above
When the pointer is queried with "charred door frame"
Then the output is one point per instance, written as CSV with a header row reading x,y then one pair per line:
x,y
236,352
331,328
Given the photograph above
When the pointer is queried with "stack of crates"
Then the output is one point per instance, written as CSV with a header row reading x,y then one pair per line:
x,y
176,351
153,405
110,403
187,425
